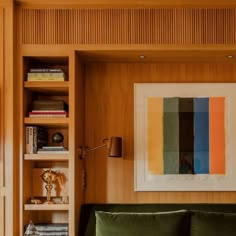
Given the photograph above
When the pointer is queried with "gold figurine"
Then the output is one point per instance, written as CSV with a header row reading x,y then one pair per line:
x,y
49,177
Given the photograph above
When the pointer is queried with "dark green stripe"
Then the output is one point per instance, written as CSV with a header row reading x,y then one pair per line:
x,y
171,135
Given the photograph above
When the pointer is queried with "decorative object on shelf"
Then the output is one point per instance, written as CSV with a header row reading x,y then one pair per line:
x,y
31,230
35,201
49,177
58,138
62,180
114,146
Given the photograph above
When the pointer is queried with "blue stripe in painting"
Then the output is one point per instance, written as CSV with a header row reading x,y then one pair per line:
x,y
201,135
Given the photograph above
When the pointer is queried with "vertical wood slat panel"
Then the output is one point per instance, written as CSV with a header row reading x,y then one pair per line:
x,y
129,26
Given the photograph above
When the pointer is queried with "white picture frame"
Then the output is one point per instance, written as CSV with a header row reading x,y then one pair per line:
x,y
187,182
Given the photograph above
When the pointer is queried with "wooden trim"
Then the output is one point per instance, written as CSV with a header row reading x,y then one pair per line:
x,y
47,121
46,157
130,3
46,207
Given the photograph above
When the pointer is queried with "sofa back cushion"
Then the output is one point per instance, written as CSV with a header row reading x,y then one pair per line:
x,y
141,224
212,223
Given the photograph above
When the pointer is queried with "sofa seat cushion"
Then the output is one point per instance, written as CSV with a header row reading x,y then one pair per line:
x,y
141,224
212,223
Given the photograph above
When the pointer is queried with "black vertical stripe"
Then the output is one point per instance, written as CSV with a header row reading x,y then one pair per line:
x,y
186,135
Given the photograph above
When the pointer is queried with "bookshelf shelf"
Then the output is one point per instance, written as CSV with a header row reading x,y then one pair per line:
x,y
49,121
46,207
47,87
46,157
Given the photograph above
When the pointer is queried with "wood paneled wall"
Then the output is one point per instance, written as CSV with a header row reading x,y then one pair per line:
x,y
1,124
110,112
8,131
129,26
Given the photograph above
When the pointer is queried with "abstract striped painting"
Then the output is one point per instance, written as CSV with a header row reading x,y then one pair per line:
x,y
186,135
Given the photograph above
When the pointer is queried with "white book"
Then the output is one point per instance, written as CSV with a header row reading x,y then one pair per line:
x,y
52,152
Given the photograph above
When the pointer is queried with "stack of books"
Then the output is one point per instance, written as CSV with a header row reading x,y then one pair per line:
x,y
52,150
36,138
49,108
55,229
46,75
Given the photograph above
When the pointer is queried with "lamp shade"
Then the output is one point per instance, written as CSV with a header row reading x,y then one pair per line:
x,y
115,147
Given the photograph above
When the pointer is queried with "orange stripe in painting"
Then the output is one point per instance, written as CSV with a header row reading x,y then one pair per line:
x,y
217,135
155,135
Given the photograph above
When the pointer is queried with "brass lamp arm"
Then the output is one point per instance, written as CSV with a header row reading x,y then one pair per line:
x,y
84,150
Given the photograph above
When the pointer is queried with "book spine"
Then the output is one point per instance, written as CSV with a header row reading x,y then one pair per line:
x,y
27,140
46,77
47,115
35,138
30,140
43,70
49,105
47,111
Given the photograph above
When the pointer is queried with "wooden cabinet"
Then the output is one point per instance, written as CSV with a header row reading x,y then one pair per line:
x,y
65,164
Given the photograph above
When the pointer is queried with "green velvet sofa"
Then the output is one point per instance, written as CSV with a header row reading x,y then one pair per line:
x,y
157,219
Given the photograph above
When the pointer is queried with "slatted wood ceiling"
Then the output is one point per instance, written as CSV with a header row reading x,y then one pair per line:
x,y
129,26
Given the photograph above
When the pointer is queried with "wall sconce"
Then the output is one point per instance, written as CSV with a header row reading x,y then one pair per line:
x,y
114,146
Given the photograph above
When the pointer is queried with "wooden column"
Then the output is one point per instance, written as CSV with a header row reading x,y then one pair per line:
x,y
1,125
8,130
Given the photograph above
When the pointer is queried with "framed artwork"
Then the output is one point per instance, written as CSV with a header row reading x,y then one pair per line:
x,y
185,136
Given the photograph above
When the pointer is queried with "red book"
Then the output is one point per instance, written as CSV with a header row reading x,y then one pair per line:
x,y
48,113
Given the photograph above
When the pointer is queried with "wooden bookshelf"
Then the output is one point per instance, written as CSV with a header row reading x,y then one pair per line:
x,y
68,126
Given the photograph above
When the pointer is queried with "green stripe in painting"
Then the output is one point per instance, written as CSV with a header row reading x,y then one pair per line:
x,y
171,135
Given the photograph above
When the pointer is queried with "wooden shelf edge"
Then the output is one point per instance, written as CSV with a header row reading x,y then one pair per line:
x,y
46,207
47,120
46,84
46,157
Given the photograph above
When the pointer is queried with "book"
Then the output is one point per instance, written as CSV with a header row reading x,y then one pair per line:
x,y
39,105
53,148
56,79
42,70
53,233
40,151
29,139
47,112
44,76
47,227
36,137
47,115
